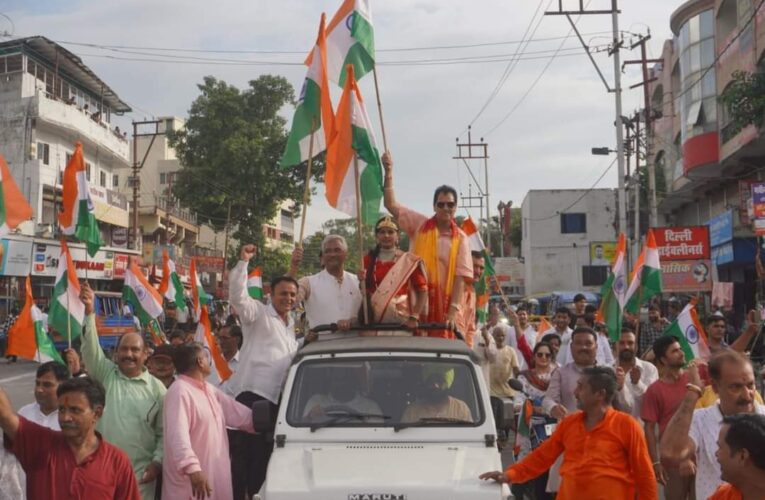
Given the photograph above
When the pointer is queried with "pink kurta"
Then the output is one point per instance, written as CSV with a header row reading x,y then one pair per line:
x,y
195,417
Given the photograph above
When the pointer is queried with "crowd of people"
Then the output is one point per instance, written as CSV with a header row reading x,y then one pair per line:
x,y
155,421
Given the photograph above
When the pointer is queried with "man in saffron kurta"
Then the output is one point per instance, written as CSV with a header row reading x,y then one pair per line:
x,y
196,415
605,456
441,245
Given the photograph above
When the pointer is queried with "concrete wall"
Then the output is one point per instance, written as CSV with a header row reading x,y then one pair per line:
x,y
553,260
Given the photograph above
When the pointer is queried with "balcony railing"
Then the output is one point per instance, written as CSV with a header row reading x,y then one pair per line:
x,y
172,207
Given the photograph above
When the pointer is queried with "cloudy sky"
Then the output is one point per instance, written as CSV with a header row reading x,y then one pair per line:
x,y
544,142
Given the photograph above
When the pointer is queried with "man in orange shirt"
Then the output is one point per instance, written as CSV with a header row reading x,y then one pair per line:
x,y
605,456
741,453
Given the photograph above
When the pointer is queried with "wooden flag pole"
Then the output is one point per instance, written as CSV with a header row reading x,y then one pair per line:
x,y
379,110
307,192
68,315
361,235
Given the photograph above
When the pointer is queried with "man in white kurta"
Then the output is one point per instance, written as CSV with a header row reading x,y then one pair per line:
x,y
196,415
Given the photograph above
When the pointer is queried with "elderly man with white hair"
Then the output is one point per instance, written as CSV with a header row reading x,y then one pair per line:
x,y
331,295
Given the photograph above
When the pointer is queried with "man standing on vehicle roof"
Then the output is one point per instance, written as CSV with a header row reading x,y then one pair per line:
x,y
442,246
267,351
132,418
332,295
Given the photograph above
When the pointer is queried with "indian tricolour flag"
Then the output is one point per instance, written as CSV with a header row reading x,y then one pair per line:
x,y
199,297
350,41
145,300
204,336
171,287
353,137
255,283
67,312
14,208
646,277
314,109
614,292
689,333
78,217
481,285
27,337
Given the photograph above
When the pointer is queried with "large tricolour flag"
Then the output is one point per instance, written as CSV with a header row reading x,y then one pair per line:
x,y
614,292
145,300
78,218
646,277
67,312
171,287
314,109
14,208
689,333
350,41
27,337
204,336
353,136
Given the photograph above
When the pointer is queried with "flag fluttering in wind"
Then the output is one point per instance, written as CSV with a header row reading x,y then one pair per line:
x,y
353,136
14,208
78,217
204,336
350,41
199,297
67,312
171,287
314,109
524,425
646,277
27,337
255,283
481,286
689,333
138,292
614,292
543,327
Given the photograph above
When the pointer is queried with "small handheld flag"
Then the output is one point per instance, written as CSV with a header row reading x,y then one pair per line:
x,y
255,283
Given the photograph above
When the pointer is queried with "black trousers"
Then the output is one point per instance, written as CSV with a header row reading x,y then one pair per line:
x,y
250,453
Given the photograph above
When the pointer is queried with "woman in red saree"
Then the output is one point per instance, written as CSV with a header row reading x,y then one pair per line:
x,y
397,289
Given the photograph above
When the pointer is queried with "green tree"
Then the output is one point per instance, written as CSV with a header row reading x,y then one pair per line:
x,y
744,98
230,149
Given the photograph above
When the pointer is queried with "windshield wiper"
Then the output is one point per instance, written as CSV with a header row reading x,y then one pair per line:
x,y
431,420
338,416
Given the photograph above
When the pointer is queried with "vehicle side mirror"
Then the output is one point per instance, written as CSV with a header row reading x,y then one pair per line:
x,y
515,384
262,416
508,413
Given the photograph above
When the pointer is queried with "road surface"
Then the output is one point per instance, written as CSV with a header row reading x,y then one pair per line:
x,y
18,380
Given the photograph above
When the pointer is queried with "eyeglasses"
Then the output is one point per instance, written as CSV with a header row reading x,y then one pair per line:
x,y
446,204
543,355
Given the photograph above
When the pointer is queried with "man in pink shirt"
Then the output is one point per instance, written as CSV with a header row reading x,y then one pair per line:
x,y
442,246
196,414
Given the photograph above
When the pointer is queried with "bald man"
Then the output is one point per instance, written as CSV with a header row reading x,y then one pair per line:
x,y
132,418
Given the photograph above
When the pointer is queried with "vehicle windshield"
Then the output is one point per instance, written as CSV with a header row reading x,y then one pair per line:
x,y
384,392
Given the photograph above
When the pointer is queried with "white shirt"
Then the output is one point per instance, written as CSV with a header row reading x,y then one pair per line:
x,y
486,355
33,413
630,398
328,300
705,428
268,346
604,355
233,364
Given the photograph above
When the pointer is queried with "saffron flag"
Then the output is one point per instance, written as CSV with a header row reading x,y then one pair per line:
x,y
614,292
255,283
14,208
314,109
689,333
145,300
171,287
204,336
543,327
350,41
199,297
646,277
67,312
27,337
353,137
78,218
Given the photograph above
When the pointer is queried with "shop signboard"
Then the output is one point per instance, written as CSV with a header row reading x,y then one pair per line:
x,y
721,228
46,255
758,206
15,257
208,264
602,253
682,243
687,276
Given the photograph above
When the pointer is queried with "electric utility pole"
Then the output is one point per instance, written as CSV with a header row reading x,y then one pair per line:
x,y
135,180
465,152
617,89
